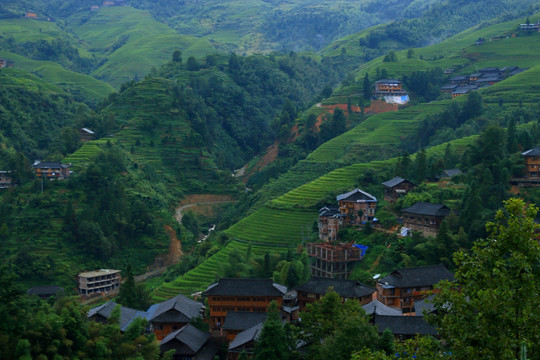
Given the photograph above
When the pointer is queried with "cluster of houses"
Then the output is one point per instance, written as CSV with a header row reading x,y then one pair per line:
x,y
237,309
530,26
358,207
462,84
108,3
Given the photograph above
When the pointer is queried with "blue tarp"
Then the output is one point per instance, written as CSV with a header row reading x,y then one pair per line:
x,y
361,247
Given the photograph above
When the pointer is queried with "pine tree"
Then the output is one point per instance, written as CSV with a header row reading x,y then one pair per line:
x,y
366,88
128,292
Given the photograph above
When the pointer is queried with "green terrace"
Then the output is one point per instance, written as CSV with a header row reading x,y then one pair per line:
x,y
378,130
84,155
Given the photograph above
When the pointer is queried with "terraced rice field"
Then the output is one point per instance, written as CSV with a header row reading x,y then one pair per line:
x,y
86,153
377,130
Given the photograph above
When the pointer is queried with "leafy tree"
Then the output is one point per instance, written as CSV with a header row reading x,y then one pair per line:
x,y
490,310
273,342
177,56
366,88
410,53
192,64
333,328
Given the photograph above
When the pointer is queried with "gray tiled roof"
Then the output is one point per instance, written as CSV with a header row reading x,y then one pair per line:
x,y
424,306
177,309
351,289
246,336
242,320
532,152
395,181
451,172
356,195
105,310
45,290
246,287
404,325
417,276
425,208
380,309
190,336
49,165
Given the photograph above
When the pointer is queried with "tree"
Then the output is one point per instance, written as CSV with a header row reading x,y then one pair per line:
x,y
177,56
335,329
273,342
410,54
192,64
366,88
491,310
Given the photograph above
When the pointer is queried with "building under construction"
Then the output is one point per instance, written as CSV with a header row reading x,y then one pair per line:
x,y
334,260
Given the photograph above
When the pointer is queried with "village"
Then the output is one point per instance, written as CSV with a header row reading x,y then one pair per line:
x,y
236,309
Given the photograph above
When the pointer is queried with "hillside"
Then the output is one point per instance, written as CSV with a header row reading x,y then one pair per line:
x,y
292,200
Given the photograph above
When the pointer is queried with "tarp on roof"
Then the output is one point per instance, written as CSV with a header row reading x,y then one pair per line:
x,y
362,247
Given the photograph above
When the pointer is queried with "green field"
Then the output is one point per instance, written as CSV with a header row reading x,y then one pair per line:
x,y
55,74
134,43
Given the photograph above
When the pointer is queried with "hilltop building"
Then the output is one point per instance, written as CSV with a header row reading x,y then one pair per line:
x,y
531,171
401,288
424,217
6,180
463,84
86,134
99,281
391,91
51,170
247,295
5,63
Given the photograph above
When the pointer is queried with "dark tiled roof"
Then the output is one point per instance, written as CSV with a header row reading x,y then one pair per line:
x,y
345,288
178,309
246,287
425,208
246,336
404,325
489,69
356,195
50,165
396,181
105,310
449,87
329,211
417,276
459,78
242,320
380,309
532,152
450,172
45,290
391,81
424,306
190,336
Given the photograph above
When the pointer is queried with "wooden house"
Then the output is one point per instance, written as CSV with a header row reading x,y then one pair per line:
x,y
173,314
99,281
5,63
251,295
531,158
238,321
86,134
460,80
397,187
190,343
6,180
392,87
317,287
402,287
51,170
330,221
424,217
449,173
358,206
245,342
